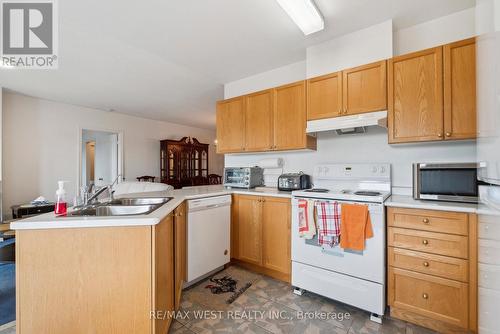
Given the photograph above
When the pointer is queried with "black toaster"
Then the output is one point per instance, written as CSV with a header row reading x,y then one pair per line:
x,y
294,181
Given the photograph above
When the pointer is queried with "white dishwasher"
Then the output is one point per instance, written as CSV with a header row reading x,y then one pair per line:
x,y
208,236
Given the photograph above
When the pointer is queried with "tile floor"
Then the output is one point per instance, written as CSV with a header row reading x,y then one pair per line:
x,y
270,306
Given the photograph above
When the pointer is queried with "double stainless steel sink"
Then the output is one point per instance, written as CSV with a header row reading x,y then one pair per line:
x,y
121,207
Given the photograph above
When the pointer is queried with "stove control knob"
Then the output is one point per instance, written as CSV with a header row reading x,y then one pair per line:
x,y
382,169
374,169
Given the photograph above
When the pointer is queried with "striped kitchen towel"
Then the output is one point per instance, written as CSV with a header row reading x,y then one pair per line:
x,y
328,216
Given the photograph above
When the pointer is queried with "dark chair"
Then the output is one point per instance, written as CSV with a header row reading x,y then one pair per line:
x,y
146,178
214,179
199,181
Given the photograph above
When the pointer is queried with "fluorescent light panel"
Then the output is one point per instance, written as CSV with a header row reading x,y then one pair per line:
x,y
305,14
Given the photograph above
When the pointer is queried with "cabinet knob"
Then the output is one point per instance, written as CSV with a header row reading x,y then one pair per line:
x,y
425,220
440,135
426,264
345,111
225,252
448,134
425,296
425,242
340,111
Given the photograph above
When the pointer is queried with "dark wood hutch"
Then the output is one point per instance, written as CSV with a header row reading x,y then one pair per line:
x,y
184,162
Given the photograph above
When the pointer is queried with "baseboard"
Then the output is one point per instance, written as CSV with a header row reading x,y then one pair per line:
x,y
437,325
262,270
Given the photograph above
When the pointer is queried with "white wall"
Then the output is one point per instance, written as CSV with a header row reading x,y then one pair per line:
x,y
446,29
358,48
41,141
369,147
367,45
276,77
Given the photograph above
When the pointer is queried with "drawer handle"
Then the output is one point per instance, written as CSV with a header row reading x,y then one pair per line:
x,y
425,242
425,296
425,221
426,264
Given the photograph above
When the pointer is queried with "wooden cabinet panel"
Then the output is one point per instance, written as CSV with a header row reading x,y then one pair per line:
x,y
324,96
433,297
92,280
429,220
231,125
290,116
430,242
180,251
365,88
276,234
249,229
163,279
460,90
436,265
415,96
259,121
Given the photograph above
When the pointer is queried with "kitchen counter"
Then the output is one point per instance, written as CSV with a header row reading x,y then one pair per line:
x,y
402,201
50,221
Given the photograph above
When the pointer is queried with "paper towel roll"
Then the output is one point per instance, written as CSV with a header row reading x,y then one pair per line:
x,y
271,163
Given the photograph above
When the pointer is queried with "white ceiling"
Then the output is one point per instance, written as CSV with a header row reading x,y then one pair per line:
x,y
168,59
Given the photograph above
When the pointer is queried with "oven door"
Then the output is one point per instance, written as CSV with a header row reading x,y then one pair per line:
x,y
368,265
446,182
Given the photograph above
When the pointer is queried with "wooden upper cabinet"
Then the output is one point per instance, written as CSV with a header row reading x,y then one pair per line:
x,y
415,93
249,229
259,121
324,96
365,88
276,234
231,125
460,89
290,117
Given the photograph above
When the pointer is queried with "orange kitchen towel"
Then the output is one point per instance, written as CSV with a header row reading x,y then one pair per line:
x,y
356,226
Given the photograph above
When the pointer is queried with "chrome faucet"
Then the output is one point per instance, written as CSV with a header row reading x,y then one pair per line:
x,y
99,191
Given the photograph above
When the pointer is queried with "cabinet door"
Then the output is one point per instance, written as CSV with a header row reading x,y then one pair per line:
x,y
250,229
290,116
231,125
163,271
416,97
180,251
365,88
324,96
259,121
276,234
460,90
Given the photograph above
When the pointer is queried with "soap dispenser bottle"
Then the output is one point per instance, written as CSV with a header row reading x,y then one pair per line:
x,y
61,203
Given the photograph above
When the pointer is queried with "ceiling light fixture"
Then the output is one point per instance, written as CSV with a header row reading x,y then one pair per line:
x,y
305,14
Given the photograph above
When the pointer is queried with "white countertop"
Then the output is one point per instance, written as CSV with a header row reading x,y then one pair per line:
x,y
402,201
49,220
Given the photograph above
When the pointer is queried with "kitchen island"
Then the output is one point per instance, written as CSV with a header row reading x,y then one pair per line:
x,y
115,274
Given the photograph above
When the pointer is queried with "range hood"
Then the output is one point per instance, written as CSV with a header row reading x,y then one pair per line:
x,y
349,124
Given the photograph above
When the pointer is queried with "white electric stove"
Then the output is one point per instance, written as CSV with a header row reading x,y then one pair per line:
x,y
354,278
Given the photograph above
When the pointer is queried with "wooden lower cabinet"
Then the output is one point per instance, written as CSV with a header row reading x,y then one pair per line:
x,y
180,251
95,280
260,234
432,275
163,272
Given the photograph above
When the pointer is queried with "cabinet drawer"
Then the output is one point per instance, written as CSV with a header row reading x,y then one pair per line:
x,y
429,242
437,265
430,296
429,220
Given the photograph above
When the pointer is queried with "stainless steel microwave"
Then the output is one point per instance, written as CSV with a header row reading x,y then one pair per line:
x,y
243,177
455,182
